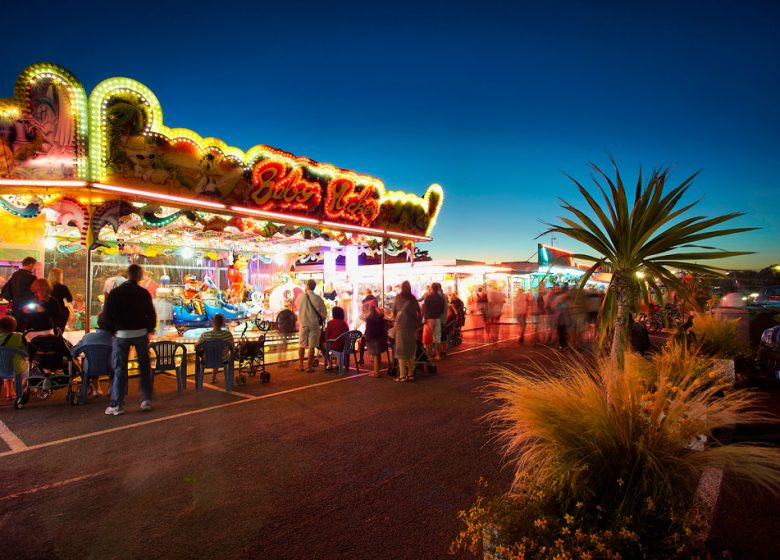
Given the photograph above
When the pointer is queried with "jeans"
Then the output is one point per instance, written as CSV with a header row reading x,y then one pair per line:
x,y
121,351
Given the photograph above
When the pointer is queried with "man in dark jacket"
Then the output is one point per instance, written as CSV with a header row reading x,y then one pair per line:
x,y
128,313
17,290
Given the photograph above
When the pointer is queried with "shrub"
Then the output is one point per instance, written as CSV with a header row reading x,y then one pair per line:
x,y
718,337
608,444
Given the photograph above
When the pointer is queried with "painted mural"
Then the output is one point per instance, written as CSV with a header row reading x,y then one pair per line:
x,y
41,135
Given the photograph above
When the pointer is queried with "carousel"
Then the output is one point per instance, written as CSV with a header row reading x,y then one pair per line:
x,y
92,183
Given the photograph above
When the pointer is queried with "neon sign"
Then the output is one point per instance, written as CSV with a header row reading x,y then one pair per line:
x,y
275,187
345,201
115,139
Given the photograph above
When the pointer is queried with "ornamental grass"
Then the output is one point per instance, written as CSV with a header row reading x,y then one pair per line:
x,y
615,449
586,426
718,337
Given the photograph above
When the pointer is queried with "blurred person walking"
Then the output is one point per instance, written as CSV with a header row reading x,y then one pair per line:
x,y
523,302
495,308
540,312
562,316
130,315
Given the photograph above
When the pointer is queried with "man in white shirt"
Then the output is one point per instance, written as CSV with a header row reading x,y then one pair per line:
x,y
311,317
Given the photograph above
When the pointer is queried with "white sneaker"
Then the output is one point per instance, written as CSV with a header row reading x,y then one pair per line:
x,y
146,405
114,410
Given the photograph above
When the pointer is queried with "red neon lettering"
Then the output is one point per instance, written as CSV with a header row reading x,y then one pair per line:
x,y
275,187
344,202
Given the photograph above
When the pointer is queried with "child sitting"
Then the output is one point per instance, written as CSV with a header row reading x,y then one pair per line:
x,y
216,333
12,339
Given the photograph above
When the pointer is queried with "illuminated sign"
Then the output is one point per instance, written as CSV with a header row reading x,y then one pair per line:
x,y
116,138
553,256
345,201
275,187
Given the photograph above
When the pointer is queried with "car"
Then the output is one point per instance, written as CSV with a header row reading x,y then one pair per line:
x,y
769,352
768,296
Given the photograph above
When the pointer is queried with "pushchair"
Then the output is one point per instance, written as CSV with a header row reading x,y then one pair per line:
x,y
453,333
251,357
51,368
422,362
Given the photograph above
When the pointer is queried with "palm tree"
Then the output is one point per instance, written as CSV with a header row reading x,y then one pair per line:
x,y
645,239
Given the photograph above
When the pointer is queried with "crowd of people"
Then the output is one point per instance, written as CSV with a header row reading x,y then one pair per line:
x,y
42,306
557,314
402,324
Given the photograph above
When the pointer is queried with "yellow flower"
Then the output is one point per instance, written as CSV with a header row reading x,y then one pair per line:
x,y
586,555
541,523
578,505
565,531
620,482
569,519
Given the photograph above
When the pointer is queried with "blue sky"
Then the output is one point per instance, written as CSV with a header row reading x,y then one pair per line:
x,y
492,100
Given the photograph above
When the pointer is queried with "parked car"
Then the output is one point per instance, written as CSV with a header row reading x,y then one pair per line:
x,y
768,296
769,352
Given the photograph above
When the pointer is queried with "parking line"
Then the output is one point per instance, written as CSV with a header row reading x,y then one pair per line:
x,y
18,446
11,439
88,435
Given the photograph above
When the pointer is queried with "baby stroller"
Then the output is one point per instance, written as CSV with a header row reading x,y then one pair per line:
x,y
51,368
453,332
422,362
251,357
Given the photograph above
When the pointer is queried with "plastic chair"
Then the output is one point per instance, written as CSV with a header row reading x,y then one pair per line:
x,y
211,354
98,360
7,371
350,339
166,353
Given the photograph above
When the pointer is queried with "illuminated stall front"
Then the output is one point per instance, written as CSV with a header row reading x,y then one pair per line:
x,y
91,183
456,276
557,266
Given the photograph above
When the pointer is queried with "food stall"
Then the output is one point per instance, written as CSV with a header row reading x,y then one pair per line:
x,y
91,183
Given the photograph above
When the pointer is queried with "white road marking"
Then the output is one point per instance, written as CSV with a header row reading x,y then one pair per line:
x,y
223,390
173,416
11,439
20,447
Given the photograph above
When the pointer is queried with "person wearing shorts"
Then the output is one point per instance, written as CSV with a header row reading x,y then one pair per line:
x,y
311,316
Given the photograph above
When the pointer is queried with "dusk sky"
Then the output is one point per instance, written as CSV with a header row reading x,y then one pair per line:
x,y
493,100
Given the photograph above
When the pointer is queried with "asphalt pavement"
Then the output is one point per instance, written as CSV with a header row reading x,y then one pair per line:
x,y
314,466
